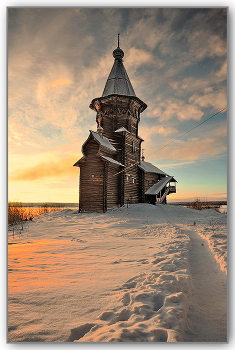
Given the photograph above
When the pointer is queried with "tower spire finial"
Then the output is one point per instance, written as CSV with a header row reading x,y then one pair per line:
x,y
118,53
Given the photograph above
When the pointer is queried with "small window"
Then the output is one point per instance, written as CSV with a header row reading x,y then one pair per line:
x,y
134,149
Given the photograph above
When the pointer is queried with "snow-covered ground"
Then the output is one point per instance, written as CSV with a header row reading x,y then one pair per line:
x,y
124,275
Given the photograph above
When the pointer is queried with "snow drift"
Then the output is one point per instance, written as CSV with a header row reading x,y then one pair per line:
x,y
121,276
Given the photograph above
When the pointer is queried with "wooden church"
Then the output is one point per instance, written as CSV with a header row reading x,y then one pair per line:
x,y
112,170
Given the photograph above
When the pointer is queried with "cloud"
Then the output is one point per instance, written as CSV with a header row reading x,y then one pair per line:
x,y
189,85
210,45
222,72
22,138
178,164
211,141
137,57
147,132
207,83
143,32
54,168
174,107
193,149
59,82
216,100
59,60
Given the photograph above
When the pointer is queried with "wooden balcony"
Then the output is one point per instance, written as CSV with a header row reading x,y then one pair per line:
x,y
172,189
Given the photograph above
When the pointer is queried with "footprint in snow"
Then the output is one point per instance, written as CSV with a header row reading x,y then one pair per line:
x,y
79,332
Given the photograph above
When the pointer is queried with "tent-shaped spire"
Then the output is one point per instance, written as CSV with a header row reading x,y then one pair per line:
x,y
118,81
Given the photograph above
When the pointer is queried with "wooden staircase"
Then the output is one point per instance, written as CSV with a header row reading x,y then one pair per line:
x,y
169,189
161,199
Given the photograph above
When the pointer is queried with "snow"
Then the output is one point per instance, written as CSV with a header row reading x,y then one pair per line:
x,y
123,276
216,235
207,312
122,129
112,160
150,168
103,141
157,187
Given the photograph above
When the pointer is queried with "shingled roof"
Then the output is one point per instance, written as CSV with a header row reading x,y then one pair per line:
x,y
150,168
118,81
158,186
103,141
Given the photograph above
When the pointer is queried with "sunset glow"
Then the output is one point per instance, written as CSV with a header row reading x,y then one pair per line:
x,y
59,60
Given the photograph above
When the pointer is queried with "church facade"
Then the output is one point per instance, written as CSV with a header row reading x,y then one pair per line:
x,y
112,170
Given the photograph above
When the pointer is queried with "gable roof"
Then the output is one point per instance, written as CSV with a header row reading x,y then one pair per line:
x,y
150,168
111,160
103,141
158,186
121,129
78,162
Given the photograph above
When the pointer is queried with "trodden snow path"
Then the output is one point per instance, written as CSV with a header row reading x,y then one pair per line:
x,y
207,313
207,316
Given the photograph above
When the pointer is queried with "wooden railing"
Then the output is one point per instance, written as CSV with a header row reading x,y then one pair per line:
x,y
161,199
172,189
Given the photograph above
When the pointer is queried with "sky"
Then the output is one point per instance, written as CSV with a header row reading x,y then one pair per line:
x,y
59,60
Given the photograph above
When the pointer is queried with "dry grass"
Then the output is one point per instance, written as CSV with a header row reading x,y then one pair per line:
x,y
14,215
17,213
200,205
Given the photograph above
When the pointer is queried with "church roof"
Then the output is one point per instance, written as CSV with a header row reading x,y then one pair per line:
x,y
158,186
118,81
111,160
150,168
103,141
121,129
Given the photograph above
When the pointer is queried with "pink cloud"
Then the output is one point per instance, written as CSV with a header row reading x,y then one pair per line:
x,y
173,107
193,149
53,168
59,82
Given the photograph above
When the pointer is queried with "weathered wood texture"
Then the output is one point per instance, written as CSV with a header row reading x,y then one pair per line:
x,y
91,194
103,183
113,113
91,147
150,179
112,189
112,180
141,186
118,111
147,180
131,156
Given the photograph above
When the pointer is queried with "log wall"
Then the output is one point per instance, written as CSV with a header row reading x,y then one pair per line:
x,y
112,190
91,147
91,194
132,183
150,179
